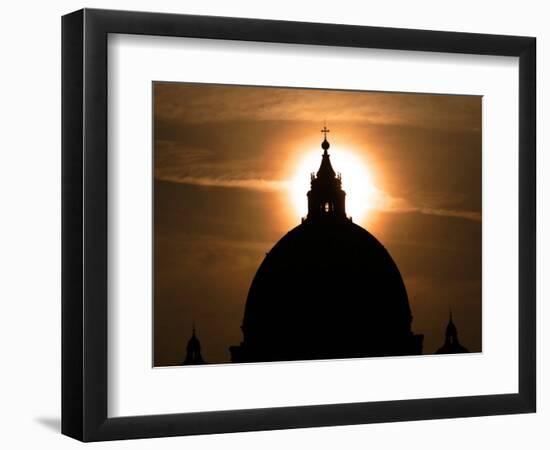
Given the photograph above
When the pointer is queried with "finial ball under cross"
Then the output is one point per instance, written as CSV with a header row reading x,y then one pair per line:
x,y
325,145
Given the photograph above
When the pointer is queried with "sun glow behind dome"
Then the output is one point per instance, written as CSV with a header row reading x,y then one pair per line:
x,y
361,193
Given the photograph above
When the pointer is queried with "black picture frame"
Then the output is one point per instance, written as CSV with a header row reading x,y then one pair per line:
x,y
84,224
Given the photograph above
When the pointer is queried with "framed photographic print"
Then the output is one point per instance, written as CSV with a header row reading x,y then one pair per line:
x,y
266,224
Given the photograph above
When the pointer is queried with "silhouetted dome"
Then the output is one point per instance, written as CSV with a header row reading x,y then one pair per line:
x,y
328,288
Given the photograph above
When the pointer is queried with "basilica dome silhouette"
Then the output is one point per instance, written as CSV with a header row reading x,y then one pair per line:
x,y
328,289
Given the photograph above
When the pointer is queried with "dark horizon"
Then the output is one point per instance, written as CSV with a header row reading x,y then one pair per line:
x,y
222,201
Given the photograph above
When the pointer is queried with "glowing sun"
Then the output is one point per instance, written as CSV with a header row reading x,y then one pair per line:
x,y
361,193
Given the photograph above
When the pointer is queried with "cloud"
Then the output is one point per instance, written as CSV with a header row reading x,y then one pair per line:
x,y
203,103
384,202
469,215
399,205
196,166
245,183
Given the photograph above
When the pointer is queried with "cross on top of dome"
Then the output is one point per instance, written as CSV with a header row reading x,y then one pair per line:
x,y
325,145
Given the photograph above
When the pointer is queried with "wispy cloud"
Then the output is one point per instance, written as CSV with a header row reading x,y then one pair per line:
x,y
469,215
399,205
196,104
244,183
384,202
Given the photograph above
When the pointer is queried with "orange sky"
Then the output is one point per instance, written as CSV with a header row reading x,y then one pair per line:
x,y
225,158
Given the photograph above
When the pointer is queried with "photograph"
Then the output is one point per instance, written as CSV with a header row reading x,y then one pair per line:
x,y
295,224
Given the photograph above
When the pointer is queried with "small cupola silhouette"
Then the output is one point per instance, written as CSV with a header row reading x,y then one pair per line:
x,y
193,356
451,345
326,197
